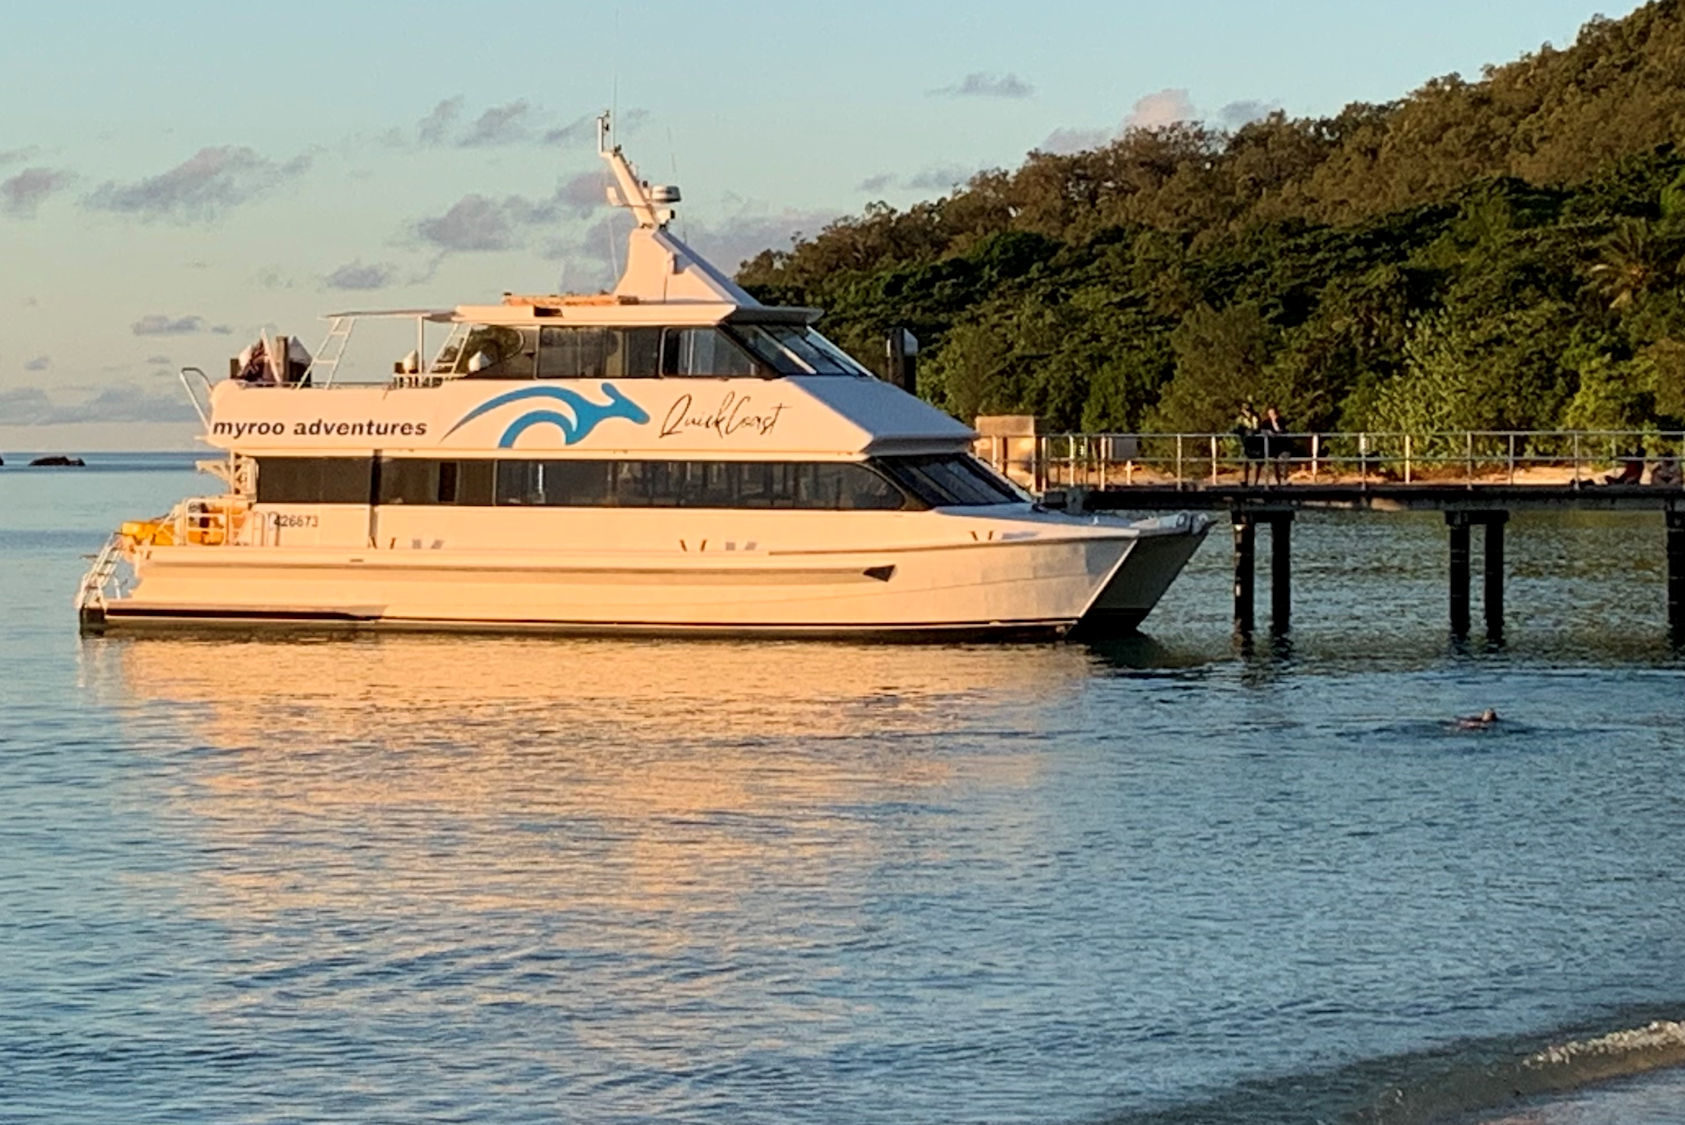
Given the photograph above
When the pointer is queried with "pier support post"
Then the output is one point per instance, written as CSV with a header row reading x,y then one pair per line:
x,y
1281,570
1494,566
1458,523
1676,575
1245,536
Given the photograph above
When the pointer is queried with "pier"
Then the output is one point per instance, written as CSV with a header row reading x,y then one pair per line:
x,y
1475,480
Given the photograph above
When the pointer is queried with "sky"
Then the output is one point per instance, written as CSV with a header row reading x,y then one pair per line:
x,y
177,177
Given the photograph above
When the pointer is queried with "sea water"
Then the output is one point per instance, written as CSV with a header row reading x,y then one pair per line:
x,y
1172,879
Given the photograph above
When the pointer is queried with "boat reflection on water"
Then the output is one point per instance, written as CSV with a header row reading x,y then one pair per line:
x,y
501,773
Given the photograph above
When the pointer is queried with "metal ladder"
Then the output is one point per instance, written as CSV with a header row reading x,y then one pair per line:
x,y
327,356
91,595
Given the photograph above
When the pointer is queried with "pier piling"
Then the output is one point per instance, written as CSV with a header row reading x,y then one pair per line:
x,y
1281,570
1245,523
1245,539
1458,523
1676,575
1493,564
1463,505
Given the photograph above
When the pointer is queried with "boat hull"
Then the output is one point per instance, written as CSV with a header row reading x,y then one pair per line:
x,y
1037,589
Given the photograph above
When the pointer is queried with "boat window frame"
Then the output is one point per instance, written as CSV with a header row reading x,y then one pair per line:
x,y
625,482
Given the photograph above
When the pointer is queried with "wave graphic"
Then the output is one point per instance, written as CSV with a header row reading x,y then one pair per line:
x,y
584,415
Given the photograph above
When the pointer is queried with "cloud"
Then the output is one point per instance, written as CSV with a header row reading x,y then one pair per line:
x,y
945,177
517,122
1155,111
590,256
23,193
499,125
1064,142
24,406
733,241
355,275
158,324
17,155
39,363
584,193
125,402
119,402
431,129
472,223
200,188
477,222
982,84
1236,114
157,360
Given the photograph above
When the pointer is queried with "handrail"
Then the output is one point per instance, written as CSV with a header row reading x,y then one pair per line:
x,y
1193,460
91,593
193,398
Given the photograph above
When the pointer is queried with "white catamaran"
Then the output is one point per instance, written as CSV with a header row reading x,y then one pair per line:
x,y
672,457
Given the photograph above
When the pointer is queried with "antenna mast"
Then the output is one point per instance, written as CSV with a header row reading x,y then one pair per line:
x,y
647,203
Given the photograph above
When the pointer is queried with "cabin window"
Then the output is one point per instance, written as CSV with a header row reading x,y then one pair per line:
x,y
566,352
948,480
468,483
567,484
476,482
313,480
409,480
793,351
509,353
703,352
883,484
573,353
580,483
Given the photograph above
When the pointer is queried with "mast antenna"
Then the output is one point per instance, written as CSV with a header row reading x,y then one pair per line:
x,y
648,204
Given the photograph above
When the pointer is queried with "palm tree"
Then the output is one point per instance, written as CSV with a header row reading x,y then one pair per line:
x,y
1632,258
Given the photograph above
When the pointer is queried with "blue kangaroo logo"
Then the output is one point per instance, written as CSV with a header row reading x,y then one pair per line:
x,y
586,416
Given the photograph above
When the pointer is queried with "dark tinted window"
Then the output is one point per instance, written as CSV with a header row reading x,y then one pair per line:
x,y
795,350
948,480
571,484
412,481
475,482
313,480
703,352
835,486
599,353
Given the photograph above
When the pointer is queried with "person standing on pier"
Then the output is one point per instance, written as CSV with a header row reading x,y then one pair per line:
x,y
1278,447
1251,445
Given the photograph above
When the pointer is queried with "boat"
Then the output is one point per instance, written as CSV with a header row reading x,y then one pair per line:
x,y
671,456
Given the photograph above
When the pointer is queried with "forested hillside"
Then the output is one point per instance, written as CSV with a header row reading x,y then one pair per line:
x,y
1506,253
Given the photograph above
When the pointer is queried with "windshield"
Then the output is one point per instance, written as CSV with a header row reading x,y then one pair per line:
x,y
791,350
948,480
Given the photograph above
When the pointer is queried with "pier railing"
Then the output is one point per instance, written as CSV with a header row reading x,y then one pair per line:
x,y
1196,460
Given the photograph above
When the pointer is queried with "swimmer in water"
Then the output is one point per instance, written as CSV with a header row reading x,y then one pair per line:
x,y
1486,718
